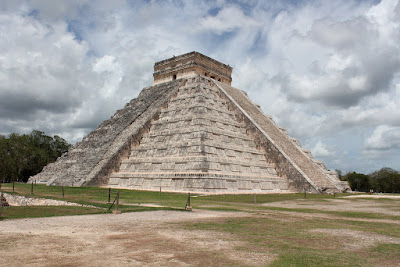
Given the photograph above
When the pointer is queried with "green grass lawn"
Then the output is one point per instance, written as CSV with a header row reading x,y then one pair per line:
x,y
295,244
133,200
130,201
295,239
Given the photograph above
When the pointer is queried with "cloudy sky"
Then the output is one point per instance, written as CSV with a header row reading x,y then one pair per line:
x,y
327,71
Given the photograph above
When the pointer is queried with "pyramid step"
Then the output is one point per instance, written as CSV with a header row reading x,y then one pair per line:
x,y
196,146
281,140
195,130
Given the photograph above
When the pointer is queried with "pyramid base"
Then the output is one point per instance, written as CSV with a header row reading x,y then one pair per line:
x,y
204,185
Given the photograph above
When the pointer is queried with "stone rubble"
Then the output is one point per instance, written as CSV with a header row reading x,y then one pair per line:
x,y
17,200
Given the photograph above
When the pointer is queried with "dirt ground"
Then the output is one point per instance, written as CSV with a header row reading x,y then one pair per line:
x,y
359,205
138,238
154,238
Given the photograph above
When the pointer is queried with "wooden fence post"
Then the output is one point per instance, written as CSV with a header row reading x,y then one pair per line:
x,y
62,189
1,202
109,195
32,188
188,207
13,186
116,207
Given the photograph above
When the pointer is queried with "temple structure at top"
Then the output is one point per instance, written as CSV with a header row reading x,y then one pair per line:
x,y
190,64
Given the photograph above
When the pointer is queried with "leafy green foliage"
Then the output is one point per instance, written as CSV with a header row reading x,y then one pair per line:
x,y
22,156
358,181
386,180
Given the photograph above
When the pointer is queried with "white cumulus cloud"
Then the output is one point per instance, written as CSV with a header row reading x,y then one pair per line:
x,y
384,137
327,71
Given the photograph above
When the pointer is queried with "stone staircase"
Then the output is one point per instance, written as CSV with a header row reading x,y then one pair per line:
x,y
281,140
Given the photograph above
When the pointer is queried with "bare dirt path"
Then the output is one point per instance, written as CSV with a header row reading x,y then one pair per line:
x,y
158,238
139,238
379,196
351,205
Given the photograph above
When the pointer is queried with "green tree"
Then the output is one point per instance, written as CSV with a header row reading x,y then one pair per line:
x,y
59,146
358,181
22,156
5,160
385,180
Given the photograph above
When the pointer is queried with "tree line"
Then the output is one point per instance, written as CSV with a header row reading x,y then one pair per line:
x,y
386,180
22,156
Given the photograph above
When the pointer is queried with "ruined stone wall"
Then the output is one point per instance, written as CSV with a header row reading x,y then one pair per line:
x,y
130,137
91,158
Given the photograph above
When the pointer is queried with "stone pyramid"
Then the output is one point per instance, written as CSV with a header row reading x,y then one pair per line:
x,y
191,132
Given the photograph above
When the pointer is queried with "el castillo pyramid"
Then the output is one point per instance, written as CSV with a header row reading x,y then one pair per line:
x,y
191,132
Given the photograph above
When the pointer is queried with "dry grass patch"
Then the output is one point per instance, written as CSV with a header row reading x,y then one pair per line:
x,y
307,242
